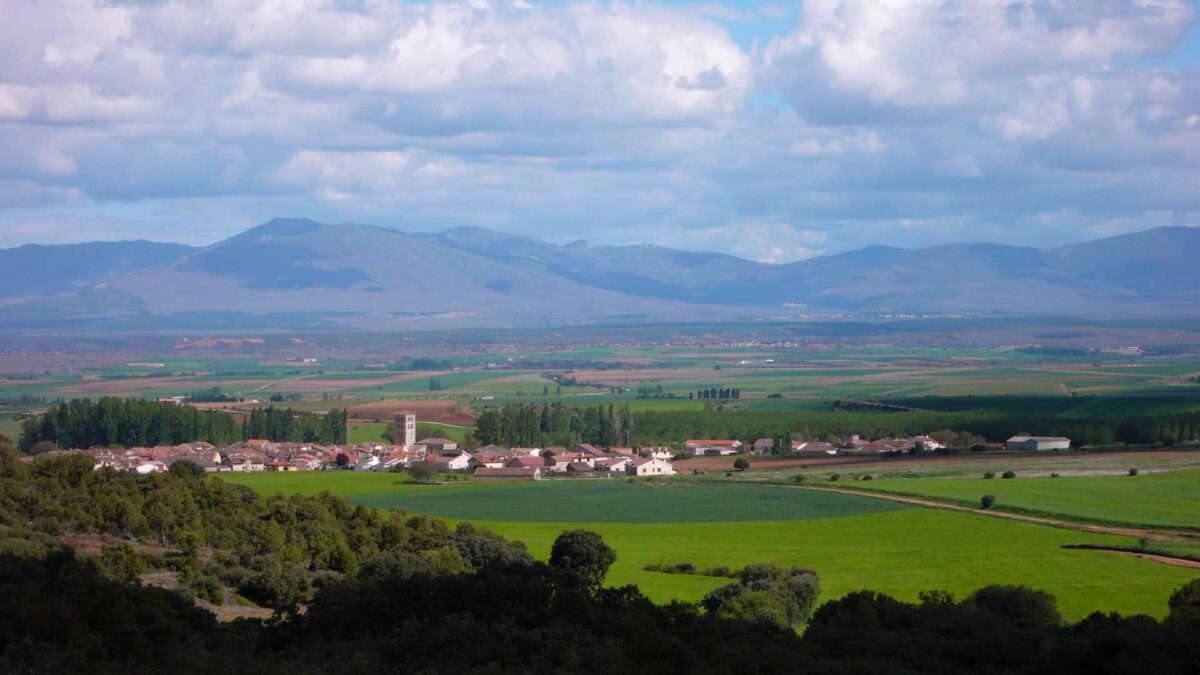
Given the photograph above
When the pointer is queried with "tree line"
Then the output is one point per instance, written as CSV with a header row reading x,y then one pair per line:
x,y
530,425
664,427
116,422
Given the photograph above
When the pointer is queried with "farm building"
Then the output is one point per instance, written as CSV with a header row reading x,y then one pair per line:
x,y
711,448
1038,443
508,474
764,446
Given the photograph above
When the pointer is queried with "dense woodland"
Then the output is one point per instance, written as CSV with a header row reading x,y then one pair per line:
x,y
385,592
117,422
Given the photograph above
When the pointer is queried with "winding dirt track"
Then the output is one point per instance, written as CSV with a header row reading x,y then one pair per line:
x,y
1153,535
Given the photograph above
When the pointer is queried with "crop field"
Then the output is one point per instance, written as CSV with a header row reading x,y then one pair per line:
x,y
853,542
1170,499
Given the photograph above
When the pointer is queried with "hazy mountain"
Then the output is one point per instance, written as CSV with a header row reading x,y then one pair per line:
x,y
34,269
300,273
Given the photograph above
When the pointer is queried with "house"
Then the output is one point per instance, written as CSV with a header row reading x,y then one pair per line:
x,y
152,466
613,464
491,461
439,446
580,467
526,462
659,452
925,443
366,463
764,446
508,473
557,463
709,448
455,462
622,451
280,465
814,446
246,462
1023,442
648,466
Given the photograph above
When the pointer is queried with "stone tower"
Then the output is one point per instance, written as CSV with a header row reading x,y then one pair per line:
x,y
404,429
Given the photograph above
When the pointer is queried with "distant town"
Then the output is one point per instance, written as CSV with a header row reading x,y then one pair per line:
x,y
493,462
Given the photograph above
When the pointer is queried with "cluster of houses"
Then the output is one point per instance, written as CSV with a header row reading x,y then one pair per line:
x,y
491,462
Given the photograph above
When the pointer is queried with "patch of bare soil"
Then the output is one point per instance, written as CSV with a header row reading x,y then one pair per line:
x,y
427,410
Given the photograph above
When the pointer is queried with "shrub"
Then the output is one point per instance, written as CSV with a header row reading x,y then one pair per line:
x,y
1133,472
990,474
986,501
741,463
833,477
868,477
798,478
121,562
1054,475
1009,474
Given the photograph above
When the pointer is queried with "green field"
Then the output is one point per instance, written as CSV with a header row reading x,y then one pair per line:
x,y
854,543
1169,499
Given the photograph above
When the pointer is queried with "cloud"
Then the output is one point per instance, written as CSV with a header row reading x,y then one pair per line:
x,y
868,121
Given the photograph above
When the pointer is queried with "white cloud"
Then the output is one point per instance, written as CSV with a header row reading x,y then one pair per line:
x,y
870,120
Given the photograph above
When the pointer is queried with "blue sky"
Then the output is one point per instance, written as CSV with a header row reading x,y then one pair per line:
x,y
772,130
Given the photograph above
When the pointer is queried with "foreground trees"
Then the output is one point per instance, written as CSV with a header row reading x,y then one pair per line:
x,y
386,592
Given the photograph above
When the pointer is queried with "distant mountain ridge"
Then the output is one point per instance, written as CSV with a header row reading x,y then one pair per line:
x,y
298,273
37,269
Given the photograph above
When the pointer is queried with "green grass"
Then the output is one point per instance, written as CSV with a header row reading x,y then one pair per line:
x,y
594,501
853,543
900,553
1164,499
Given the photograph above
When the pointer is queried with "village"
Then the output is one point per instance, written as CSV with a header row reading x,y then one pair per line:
x,y
493,462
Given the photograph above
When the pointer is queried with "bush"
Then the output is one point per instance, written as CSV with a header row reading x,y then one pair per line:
x,y
1009,474
741,463
798,478
986,501
833,477
1054,475
121,562
868,477
421,471
1133,472
989,475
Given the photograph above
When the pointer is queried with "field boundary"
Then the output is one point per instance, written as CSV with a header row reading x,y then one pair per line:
x,y
1156,556
1181,530
1178,535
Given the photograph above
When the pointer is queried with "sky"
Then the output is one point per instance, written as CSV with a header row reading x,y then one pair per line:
x,y
771,130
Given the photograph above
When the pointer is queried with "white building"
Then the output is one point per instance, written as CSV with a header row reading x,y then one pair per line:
x,y
1038,443
648,466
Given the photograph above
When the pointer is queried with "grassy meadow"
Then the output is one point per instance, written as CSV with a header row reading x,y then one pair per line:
x,y
1169,499
853,542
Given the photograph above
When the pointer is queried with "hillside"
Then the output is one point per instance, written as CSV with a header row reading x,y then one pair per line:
x,y
294,273
34,269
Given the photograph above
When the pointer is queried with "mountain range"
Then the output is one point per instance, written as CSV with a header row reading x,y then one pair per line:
x,y
301,274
